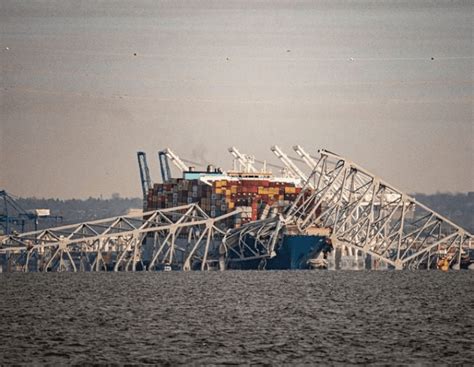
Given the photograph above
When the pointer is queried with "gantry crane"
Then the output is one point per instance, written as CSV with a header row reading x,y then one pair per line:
x,y
13,218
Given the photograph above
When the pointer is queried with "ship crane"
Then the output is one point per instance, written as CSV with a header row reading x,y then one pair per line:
x,y
310,162
175,160
290,165
164,157
244,160
144,175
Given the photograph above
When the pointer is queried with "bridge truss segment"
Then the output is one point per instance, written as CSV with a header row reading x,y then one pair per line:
x,y
255,241
364,213
183,237
368,214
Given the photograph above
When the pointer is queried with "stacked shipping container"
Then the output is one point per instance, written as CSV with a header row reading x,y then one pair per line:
x,y
256,197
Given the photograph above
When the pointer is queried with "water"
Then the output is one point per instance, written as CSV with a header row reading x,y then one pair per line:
x,y
276,317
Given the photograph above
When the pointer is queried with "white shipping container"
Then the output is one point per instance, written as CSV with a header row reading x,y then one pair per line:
x,y
42,212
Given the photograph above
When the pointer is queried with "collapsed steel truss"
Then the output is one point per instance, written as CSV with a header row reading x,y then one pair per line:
x,y
183,236
368,214
363,212
253,241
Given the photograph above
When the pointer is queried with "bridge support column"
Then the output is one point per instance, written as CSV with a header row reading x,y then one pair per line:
x,y
337,257
398,264
368,262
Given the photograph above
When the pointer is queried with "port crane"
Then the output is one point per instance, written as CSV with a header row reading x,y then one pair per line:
x,y
13,218
12,215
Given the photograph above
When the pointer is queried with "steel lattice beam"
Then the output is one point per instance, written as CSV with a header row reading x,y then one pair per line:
x,y
182,236
368,214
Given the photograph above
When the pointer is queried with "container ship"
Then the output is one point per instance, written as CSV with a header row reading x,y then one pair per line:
x,y
258,195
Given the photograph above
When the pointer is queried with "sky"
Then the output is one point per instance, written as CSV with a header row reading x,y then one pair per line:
x,y
86,84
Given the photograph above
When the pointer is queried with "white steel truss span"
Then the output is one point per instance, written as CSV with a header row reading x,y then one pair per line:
x,y
368,214
364,213
182,237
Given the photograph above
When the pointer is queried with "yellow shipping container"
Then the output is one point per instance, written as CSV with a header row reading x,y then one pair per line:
x,y
218,191
231,205
290,190
233,189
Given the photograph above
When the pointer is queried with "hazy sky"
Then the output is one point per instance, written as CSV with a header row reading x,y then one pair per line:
x,y
355,78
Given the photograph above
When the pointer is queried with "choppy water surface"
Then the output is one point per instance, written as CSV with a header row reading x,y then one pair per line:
x,y
237,317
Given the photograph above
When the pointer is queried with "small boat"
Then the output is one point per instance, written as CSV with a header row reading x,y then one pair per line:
x,y
167,268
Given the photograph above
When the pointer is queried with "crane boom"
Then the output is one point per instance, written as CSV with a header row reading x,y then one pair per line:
x,y
164,166
144,174
245,161
175,160
290,165
310,162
